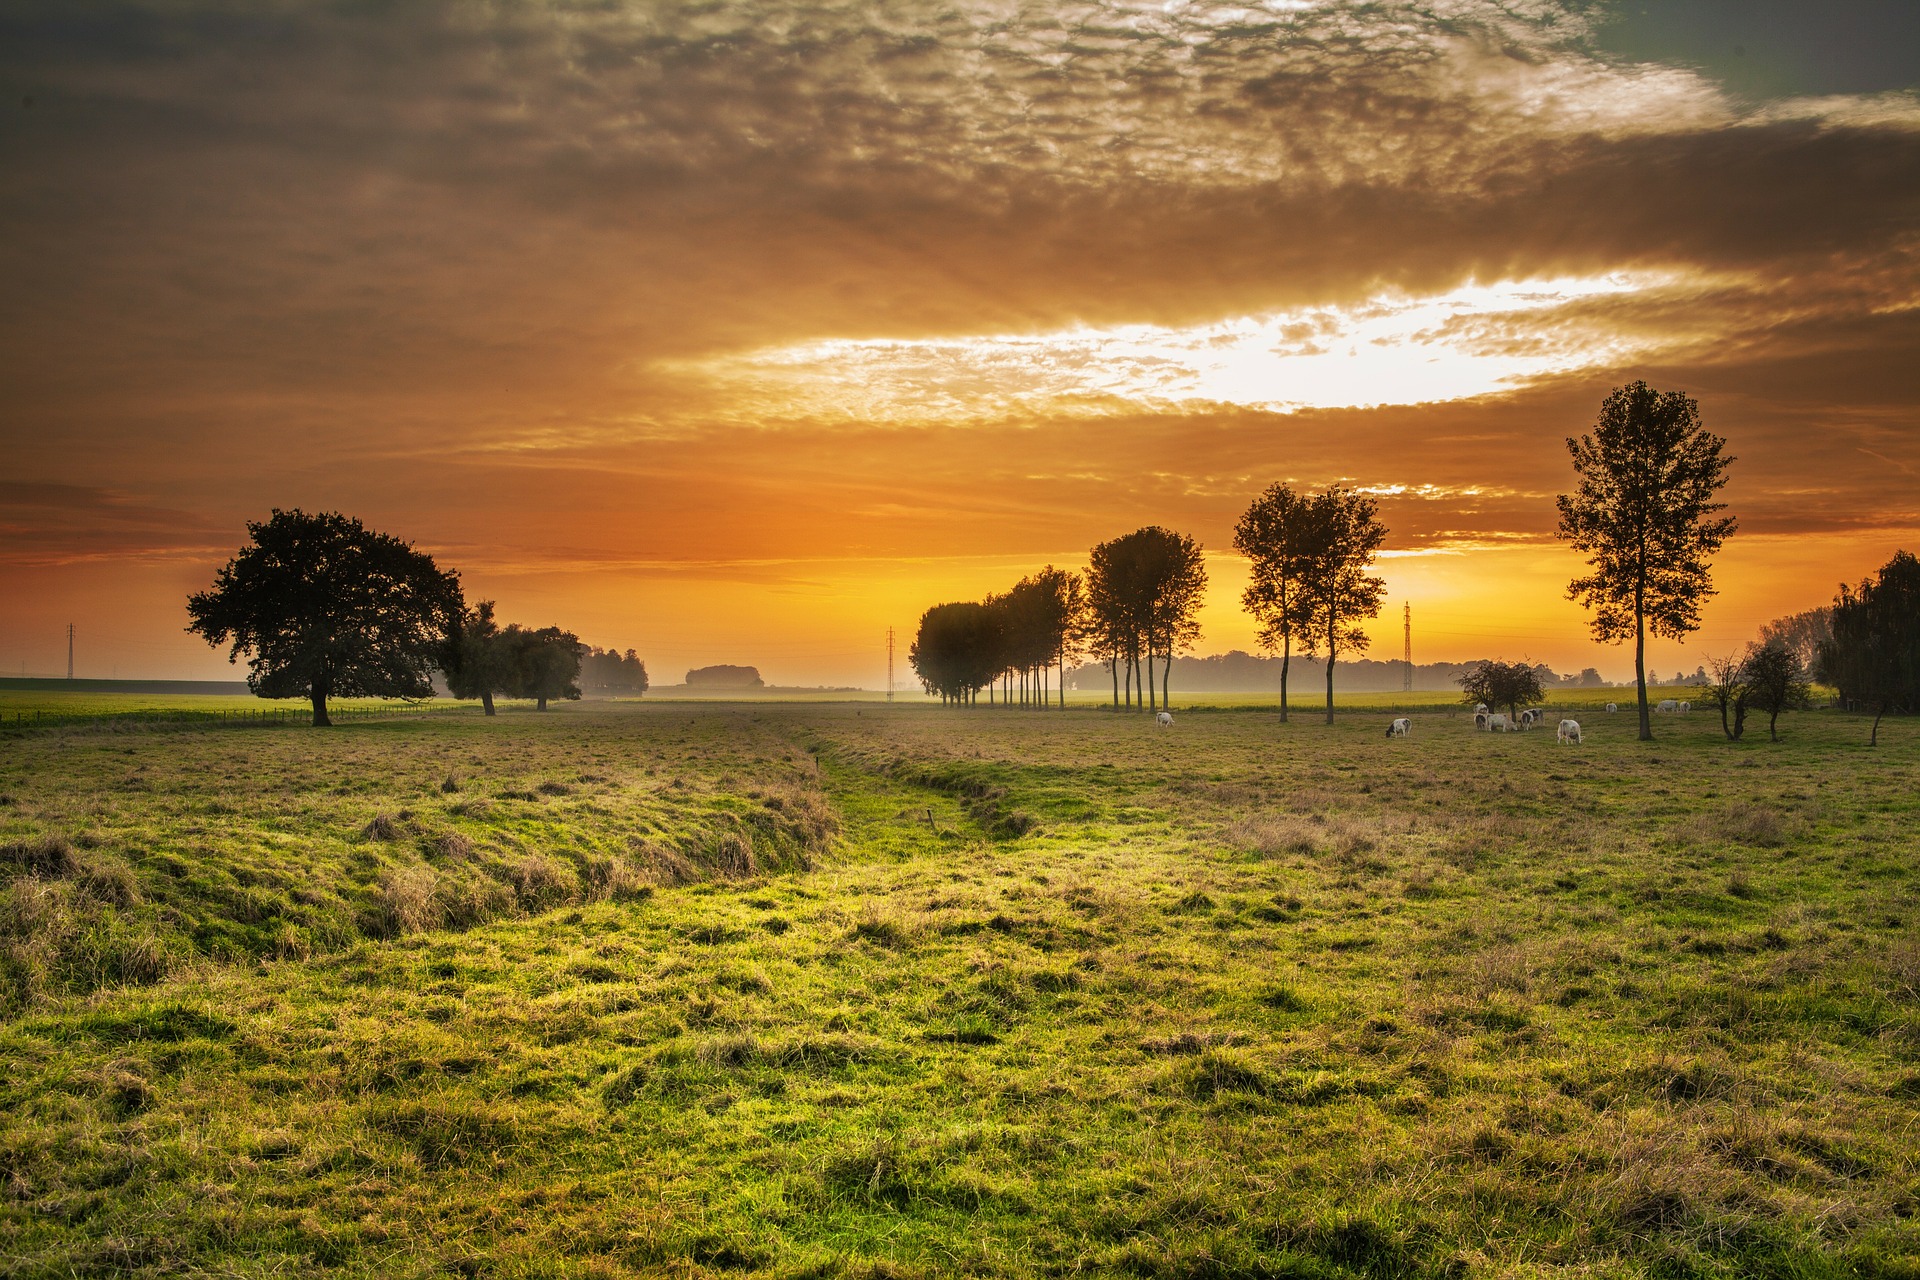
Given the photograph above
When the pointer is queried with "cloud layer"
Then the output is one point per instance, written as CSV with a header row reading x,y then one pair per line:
x,y
664,286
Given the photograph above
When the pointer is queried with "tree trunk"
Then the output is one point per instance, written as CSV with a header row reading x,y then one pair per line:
x,y
1113,669
486,700
1166,678
1773,718
320,720
1286,657
539,704
1331,655
1640,664
1874,741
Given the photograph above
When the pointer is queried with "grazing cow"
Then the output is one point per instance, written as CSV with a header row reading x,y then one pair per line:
x,y
1685,707
1480,710
1531,717
1669,706
1400,728
1498,723
1480,719
1612,707
1164,720
1569,731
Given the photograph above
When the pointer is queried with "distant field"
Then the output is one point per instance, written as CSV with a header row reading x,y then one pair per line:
x,y
844,990
26,703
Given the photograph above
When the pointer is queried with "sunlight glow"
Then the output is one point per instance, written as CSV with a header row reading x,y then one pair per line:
x,y
1391,349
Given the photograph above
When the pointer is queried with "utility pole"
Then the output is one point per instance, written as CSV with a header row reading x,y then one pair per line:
x,y
69,651
889,664
1406,613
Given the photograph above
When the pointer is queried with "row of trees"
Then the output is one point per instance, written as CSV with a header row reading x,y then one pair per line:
x,y
1133,608
1012,642
323,607
1137,603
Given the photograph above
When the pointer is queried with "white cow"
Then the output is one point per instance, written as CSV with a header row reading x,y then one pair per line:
x,y
1569,731
1400,728
1164,720
1498,723
1531,717
1685,707
1669,706
1481,709
1612,707
1480,719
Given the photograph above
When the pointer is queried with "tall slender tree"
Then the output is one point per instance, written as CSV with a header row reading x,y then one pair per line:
x,y
1273,536
1644,517
1344,535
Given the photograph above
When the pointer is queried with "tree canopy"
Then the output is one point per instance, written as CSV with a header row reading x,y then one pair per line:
x,y
1343,535
1275,534
1776,681
1644,516
1501,684
476,664
1144,592
324,607
544,663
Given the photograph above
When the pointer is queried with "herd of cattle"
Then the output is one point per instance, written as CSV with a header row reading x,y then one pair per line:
x,y
1498,722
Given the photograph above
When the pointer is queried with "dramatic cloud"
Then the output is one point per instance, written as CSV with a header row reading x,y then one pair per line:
x,y
599,298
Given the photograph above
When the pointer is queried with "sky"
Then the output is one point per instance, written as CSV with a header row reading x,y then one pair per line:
x,y
741,332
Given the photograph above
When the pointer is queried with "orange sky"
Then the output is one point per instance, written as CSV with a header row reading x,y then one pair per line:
x,y
741,332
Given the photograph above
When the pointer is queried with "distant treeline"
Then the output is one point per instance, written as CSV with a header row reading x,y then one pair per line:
x,y
1239,672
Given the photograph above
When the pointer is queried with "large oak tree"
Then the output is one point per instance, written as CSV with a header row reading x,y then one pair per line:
x,y
324,607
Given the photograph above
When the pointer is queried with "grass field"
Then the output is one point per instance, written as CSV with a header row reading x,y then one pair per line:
x,y
823,990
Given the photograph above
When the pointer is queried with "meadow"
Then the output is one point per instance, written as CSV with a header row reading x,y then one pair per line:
x,y
807,989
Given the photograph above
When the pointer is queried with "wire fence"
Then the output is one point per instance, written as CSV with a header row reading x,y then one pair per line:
x,y
261,716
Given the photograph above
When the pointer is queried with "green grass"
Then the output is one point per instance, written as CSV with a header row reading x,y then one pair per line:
x,y
811,990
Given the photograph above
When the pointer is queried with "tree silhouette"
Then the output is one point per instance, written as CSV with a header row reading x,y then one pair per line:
x,y
1873,658
326,608
1726,691
1273,535
1501,684
544,664
477,665
956,650
1776,682
1800,633
1343,535
1643,517
1144,590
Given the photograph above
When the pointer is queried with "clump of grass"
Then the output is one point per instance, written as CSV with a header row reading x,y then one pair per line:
x,y
47,855
1272,834
541,882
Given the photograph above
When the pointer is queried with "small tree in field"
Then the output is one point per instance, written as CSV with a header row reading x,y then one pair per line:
x,y
477,665
327,608
1726,690
1501,684
1643,516
1776,682
544,664
1343,536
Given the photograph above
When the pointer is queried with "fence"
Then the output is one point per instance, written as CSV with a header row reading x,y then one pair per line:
x,y
242,716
